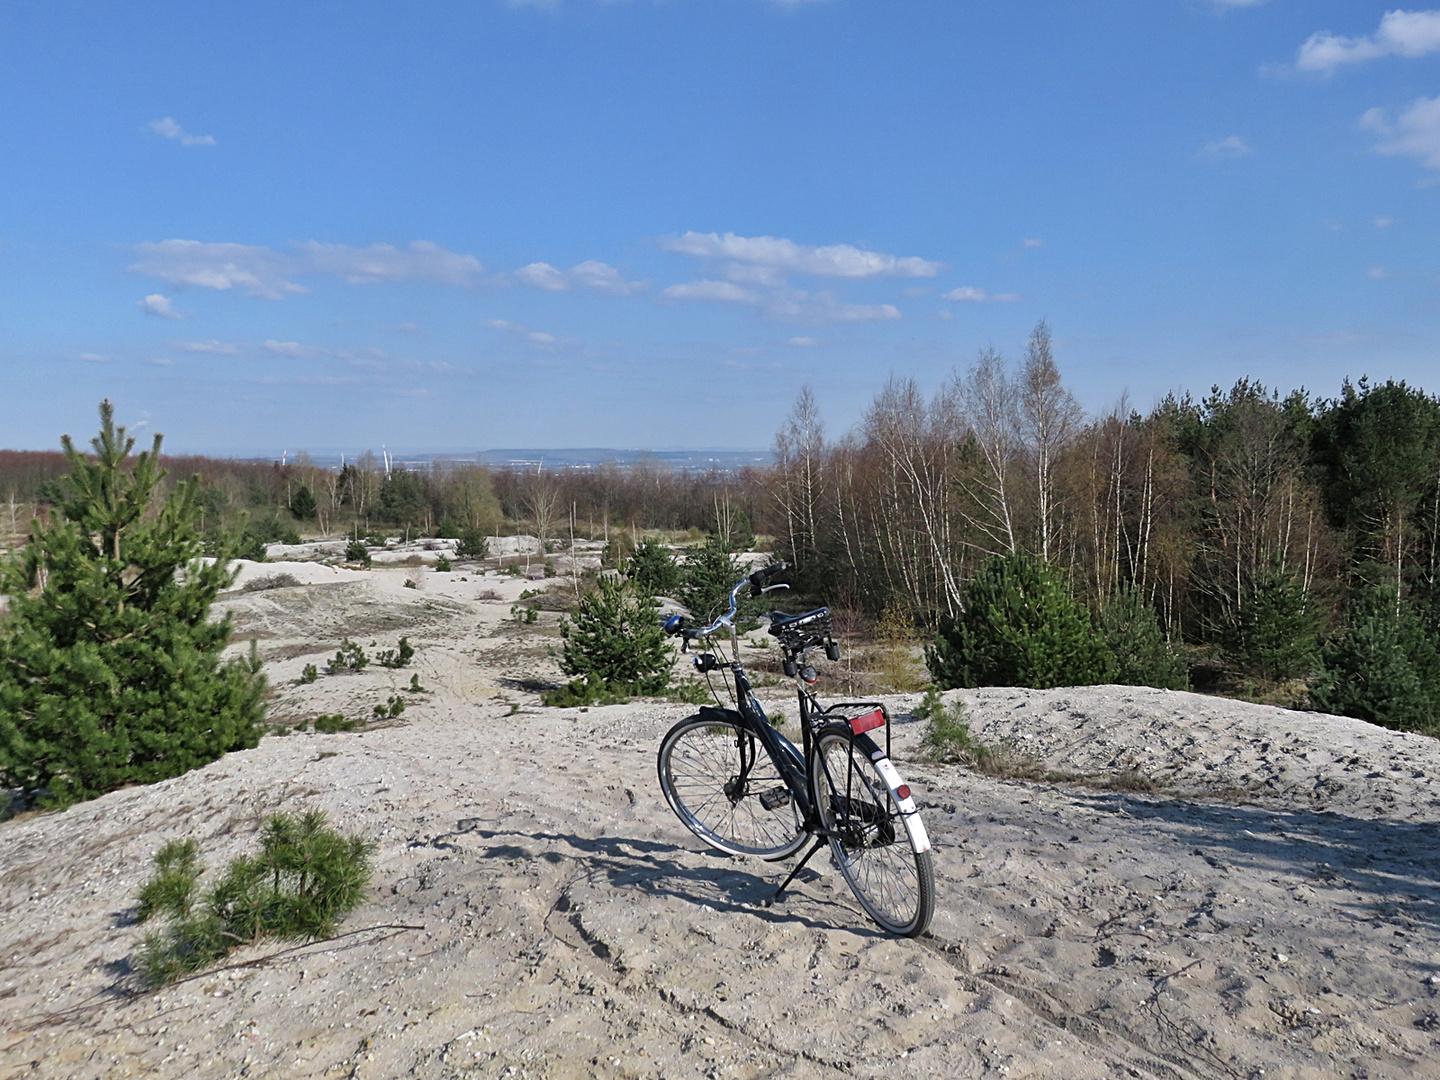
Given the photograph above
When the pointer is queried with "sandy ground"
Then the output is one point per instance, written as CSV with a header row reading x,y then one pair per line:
x,y
1271,910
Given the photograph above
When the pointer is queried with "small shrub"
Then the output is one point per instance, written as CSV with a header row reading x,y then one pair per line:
x,y
393,707
398,657
305,877
410,583
1142,655
550,570
1385,667
415,687
947,735
334,723
1019,627
513,570
357,552
690,692
613,636
527,616
653,569
1275,633
777,719
442,564
348,658
308,674
582,692
270,581
473,544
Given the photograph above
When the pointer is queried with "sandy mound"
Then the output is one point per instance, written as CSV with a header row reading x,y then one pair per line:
x,y
1273,908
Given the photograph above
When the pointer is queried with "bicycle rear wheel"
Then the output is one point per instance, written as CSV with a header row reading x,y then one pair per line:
x,y
893,882
721,783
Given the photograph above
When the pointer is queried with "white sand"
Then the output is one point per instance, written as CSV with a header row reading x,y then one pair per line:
x,y
1275,908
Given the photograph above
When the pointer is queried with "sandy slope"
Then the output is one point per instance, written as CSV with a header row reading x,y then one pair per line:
x,y
1273,908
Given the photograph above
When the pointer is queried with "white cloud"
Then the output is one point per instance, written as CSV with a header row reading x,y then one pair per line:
x,y
263,272
1383,222
534,337
219,348
967,293
709,291
158,304
97,358
1227,4
1415,134
296,351
1378,273
421,261
1033,241
260,271
541,275
779,254
1401,33
161,361
590,274
166,127
599,276
784,305
1230,146
802,342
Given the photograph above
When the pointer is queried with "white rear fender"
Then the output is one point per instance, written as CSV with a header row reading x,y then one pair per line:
x,y
909,814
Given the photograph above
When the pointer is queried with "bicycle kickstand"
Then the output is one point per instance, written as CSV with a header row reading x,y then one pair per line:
x,y
819,843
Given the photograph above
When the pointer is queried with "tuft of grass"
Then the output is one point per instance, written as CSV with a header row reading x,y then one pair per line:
x,y
309,674
332,723
305,877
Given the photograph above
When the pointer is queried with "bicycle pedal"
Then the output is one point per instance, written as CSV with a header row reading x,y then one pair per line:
x,y
775,798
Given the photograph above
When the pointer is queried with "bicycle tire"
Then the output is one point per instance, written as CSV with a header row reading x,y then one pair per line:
x,y
872,847
700,763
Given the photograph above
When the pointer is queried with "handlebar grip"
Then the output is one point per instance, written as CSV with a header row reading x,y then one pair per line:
x,y
760,577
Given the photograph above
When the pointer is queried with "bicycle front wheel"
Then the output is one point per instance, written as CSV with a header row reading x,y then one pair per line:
x,y
720,781
893,882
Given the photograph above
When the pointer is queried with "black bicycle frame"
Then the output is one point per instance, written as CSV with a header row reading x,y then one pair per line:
x,y
790,760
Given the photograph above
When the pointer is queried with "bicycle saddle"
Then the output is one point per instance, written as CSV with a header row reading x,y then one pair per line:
x,y
781,623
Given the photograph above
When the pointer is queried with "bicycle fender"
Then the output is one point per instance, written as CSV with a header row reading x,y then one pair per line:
x,y
909,813
710,712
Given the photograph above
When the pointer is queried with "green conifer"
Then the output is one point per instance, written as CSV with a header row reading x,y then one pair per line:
x,y
110,669
1020,627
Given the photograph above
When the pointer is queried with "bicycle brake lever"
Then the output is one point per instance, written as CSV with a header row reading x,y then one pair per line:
x,y
769,588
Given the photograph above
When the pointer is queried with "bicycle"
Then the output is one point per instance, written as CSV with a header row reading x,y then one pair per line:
x,y
742,787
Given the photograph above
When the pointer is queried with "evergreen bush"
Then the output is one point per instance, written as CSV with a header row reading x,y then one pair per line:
x,y
710,572
473,545
1275,632
442,563
614,639
305,877
110,670
1385,667
398,657
1142,655
1019,627
350,657
653,569
357,552
302,504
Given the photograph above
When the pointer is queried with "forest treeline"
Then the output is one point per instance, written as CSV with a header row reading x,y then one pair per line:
x,y
1267,539
1267,533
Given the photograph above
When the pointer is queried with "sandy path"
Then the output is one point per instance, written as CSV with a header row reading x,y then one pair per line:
x,y
567,925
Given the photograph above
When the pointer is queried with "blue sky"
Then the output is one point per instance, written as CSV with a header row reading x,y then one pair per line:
x,y
648,223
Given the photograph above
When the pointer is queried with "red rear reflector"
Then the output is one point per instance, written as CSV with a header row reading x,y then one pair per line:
x,y
869,722
903,791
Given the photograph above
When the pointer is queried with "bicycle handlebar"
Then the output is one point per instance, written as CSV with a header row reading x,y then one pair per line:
x,y
756,581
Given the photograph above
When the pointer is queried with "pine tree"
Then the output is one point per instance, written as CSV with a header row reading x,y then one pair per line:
x,y
1385,668
653,569
302,504
1019,627
614,639
1142,655
710,572
110,670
